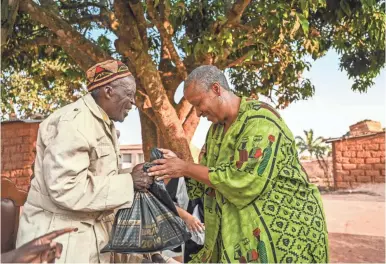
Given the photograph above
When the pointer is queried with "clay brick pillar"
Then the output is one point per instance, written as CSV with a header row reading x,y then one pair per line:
x,y
18,141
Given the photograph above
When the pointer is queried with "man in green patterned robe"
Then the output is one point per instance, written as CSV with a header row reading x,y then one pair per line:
x,y
259,204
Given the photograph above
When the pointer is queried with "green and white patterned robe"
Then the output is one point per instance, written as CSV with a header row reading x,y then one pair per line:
x,y
263,207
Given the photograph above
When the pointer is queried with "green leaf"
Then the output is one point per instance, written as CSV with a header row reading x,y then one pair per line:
x,y
303,4
345,7
156,3
304,23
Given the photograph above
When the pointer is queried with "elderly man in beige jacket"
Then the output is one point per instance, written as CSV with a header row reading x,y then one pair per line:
x,y
77,180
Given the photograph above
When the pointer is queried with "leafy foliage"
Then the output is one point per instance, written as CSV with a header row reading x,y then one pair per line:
x,y
265,48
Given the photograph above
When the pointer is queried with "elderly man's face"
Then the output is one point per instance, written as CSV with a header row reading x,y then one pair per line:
x,y
121,98
205,102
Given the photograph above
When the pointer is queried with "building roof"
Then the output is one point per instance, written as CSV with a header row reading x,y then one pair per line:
x,y
131,147
329,140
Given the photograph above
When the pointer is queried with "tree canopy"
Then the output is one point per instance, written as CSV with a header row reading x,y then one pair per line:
x,y
264,46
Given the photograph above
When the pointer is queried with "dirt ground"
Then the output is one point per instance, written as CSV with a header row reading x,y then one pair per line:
x,y
356,224
346,248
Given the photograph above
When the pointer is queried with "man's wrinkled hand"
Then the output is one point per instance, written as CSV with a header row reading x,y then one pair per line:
x,y
141,179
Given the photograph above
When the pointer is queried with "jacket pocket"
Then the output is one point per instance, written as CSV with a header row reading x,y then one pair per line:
x,y
103,151
77,245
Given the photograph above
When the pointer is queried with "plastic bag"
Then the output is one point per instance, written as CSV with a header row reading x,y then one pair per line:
x,y
151,224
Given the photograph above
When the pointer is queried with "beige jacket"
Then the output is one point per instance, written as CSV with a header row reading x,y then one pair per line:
x,y
76,182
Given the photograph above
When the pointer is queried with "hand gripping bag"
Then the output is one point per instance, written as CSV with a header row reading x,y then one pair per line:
x,y
151,224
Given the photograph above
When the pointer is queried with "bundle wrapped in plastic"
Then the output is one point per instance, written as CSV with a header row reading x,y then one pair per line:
x,y
151,224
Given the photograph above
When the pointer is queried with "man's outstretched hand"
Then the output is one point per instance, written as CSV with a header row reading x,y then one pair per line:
x,y
40,250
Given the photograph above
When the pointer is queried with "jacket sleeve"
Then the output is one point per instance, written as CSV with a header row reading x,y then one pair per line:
x,y
252,166
69,182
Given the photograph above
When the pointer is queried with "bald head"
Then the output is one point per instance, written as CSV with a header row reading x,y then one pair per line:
x,y
205,76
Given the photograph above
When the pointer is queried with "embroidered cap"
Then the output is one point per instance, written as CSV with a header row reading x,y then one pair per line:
x,y
105,72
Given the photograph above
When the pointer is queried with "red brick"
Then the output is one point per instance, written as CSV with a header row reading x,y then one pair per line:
x,y
5,158
354,147
382,147
372,160
363,179
17,157
379,179
338,146
364,166
357,172
349,166
9,149
338,166
17,140
23,132
383,172
371,147
6,141
28,157
342,172
349,154
7,166
379,166
373,173
339,178
338,154
377,154
383,160
379,140
363,154
342,160
349,178
357,160
343,185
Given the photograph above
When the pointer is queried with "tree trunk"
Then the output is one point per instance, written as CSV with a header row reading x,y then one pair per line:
x,y
149,135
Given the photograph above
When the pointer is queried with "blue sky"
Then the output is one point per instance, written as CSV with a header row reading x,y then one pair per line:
x,y
330,112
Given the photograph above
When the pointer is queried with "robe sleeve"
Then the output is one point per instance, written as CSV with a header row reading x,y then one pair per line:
x,y
252,166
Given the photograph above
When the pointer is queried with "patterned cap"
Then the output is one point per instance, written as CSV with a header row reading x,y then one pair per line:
x,y
105,72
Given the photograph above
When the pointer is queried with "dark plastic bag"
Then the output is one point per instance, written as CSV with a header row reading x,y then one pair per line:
x,y
151,224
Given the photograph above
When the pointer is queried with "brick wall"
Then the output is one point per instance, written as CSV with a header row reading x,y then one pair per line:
x,y
17,151
359,160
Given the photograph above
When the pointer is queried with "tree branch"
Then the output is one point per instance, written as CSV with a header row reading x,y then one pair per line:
x,y
142,24
76,5
166,32
235,14
190,124
73,42
238,61
183,108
